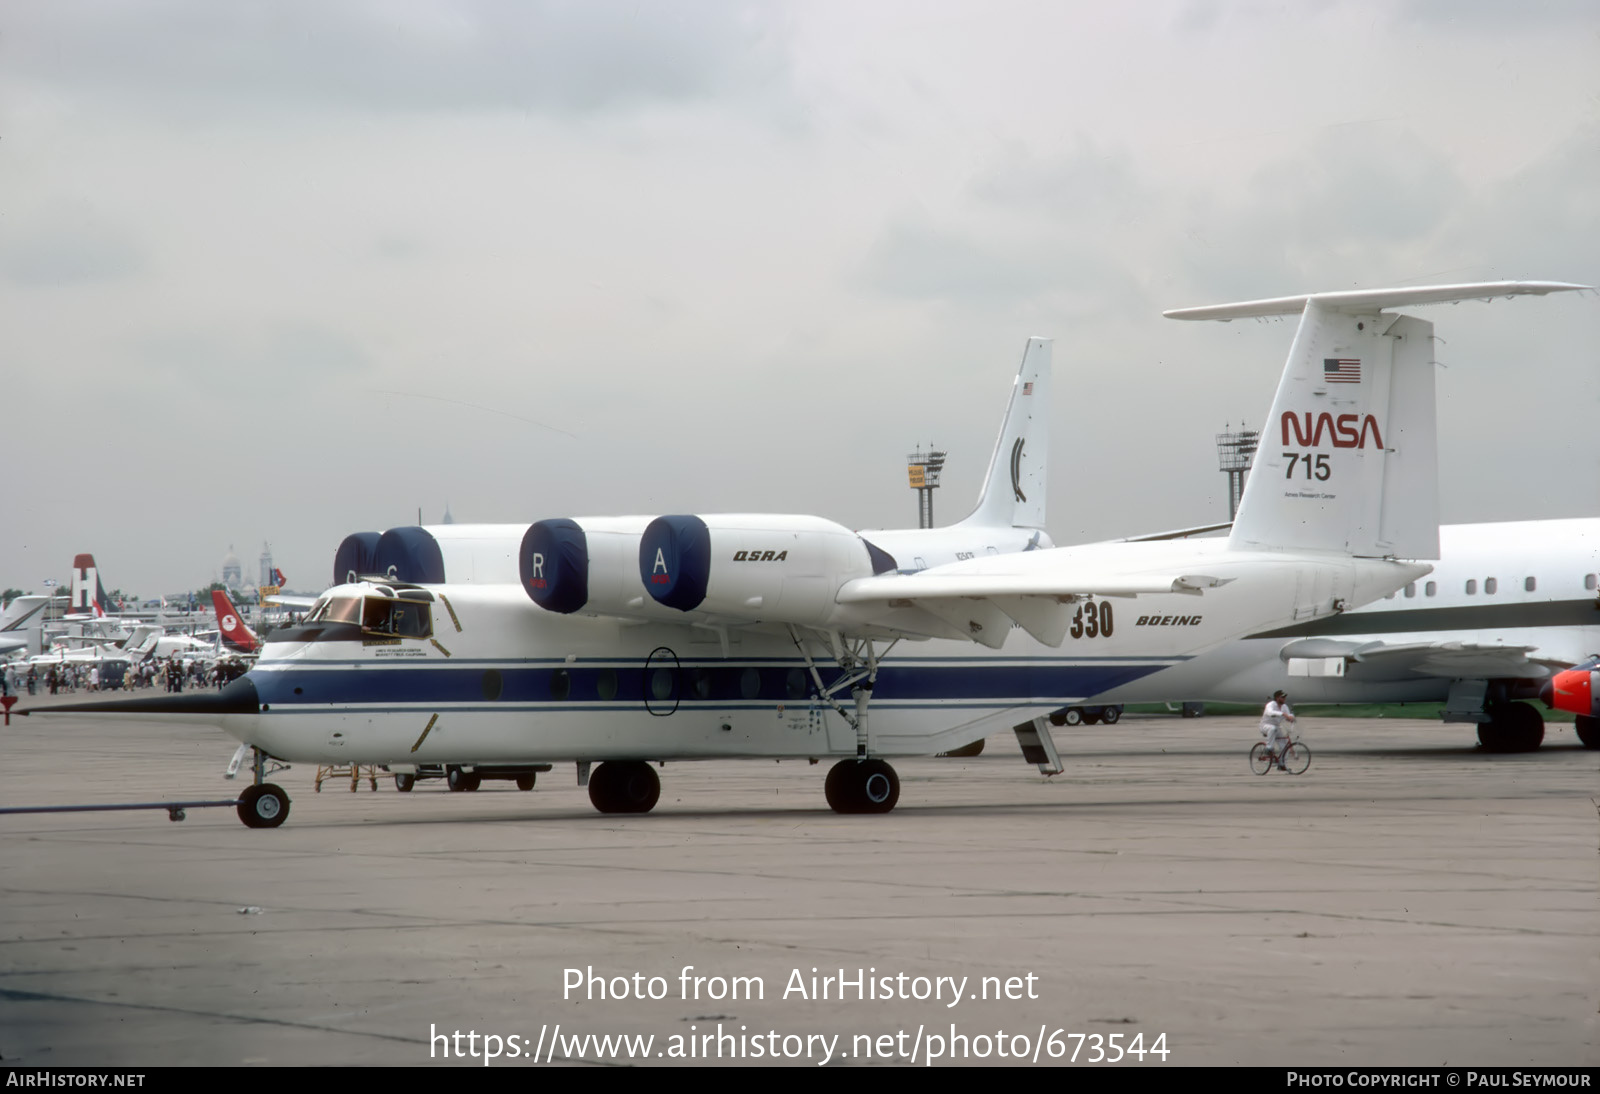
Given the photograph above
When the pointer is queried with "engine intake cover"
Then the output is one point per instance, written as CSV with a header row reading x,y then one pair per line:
x,y
554,561
675,561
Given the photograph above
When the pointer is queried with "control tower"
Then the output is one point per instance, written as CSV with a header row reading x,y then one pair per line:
x,y
1236,451
924,472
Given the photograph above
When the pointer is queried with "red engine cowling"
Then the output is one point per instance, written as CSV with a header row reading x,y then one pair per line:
x,y
1577,690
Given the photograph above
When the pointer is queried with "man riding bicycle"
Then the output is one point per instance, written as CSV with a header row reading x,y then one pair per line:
x,y
1273,716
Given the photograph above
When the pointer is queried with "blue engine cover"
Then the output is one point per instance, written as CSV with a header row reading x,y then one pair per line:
x,y
356,556
554,560
409,554
675,561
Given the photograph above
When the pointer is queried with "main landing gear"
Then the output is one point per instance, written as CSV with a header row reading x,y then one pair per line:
x,y
1512,727
862,786
263,804
624,786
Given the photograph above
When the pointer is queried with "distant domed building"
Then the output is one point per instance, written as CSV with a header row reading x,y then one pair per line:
x,y
232,572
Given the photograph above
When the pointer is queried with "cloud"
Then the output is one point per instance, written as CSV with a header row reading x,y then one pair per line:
x,y
66,244
281,356
547,55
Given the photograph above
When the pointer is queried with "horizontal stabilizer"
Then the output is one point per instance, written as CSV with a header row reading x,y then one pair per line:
x,y
1372,301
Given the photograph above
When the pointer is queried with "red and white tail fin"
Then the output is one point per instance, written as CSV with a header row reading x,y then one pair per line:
x,y
88,595
235,635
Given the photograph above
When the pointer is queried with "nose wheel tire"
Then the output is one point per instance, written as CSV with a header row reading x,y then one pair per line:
x,y
264,806
624,786
862,786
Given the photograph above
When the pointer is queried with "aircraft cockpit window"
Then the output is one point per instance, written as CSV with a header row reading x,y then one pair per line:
x,y
336,610
400,618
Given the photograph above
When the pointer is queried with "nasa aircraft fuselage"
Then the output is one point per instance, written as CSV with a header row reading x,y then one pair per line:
x,y
605,688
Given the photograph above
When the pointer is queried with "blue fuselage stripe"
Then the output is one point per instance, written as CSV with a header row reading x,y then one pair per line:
x,y
581,687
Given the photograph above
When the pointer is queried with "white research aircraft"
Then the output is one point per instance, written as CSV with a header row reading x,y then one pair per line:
x,y
690,637
1508,606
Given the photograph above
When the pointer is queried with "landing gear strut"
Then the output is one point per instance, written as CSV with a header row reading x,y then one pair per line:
x,y
861,785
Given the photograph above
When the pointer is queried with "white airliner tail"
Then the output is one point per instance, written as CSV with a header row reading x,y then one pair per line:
x,y
1014,489
1348,459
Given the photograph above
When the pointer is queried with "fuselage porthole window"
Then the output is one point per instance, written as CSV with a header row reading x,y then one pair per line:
x,y
1430,588
1472,586
1529,585
1411,589
1490,586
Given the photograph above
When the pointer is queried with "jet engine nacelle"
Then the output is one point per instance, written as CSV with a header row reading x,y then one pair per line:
x,y
573,564
1577,690
769,568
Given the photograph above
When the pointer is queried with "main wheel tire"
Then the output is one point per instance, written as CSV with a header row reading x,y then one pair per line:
x,y
463,781
1512,727
525,782
263,806
1589,730
1260,758
862,786
1073,716
1111,715
1296,758
624,786
405,783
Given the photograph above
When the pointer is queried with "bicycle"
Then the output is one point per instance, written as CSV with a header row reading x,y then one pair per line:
x,y
1296,757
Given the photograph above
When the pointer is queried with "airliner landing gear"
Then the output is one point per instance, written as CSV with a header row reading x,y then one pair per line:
x,y
263,804
624,786
862,786
1589,730
1512,727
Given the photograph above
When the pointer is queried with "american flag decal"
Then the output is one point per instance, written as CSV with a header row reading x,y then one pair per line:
x,y
1027,388
1341,370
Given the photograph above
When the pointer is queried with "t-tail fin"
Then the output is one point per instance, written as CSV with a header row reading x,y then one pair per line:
x,y
88,595
1014,489
1348,458
235,635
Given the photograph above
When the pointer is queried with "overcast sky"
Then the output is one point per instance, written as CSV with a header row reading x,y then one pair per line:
x,y
282,271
